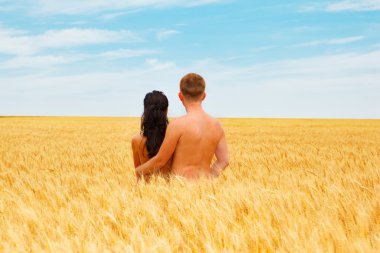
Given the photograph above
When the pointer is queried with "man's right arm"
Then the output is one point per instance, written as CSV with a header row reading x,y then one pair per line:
x,y
164,154
222,157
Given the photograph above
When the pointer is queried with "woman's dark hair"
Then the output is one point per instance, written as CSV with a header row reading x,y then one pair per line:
x,y
154,121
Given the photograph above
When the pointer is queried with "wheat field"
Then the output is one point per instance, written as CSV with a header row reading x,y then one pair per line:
x,y
67,184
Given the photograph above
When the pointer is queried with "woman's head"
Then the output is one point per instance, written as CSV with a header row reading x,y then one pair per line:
x,y
154,120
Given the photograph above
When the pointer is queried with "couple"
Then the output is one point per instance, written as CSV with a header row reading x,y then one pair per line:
x,y
187,145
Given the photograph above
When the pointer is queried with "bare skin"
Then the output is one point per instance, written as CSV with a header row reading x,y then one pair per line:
x,y
192,141
140,156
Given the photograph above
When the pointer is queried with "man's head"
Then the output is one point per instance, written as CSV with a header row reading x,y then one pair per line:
x,y
192,88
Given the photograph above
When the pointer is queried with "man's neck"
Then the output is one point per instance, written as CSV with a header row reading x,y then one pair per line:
x,y
193,107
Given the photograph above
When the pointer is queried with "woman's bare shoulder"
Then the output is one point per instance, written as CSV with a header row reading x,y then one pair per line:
x,y
137,139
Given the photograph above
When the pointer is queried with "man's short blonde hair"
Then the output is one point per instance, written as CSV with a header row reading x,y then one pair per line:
x,y
192,86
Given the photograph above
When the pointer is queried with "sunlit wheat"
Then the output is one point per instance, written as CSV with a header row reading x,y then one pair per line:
x,y
68,184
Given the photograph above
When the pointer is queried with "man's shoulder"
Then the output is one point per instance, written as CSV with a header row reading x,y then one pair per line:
x,y
178,121
214,121
217,126
180,125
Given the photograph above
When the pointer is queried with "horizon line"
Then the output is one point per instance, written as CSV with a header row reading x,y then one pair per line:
x,y
171,117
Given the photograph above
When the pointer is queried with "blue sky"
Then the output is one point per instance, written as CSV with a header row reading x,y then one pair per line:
x,y
259,58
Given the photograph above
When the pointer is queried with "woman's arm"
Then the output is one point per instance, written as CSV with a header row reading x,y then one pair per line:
x,y
136,158
135,152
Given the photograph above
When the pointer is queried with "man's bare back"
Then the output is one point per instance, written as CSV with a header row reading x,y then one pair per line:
x,y
200,135
192,140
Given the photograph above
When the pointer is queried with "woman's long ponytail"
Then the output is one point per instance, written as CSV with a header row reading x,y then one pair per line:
x,y
154,121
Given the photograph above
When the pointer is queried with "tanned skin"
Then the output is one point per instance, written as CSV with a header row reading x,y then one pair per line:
x,y
140,156
191,141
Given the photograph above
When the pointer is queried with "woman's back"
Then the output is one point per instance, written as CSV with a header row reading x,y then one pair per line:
x,y
154,122
139,150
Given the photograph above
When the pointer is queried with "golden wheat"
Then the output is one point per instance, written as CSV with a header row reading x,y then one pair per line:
x,y
68,185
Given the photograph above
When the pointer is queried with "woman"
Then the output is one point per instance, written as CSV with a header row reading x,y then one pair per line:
x,y
153,127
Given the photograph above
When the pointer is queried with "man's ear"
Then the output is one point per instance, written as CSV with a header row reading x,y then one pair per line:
x,y
204,96
180,96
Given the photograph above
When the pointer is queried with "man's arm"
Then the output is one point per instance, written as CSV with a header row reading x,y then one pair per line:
x,y
222,158
164,154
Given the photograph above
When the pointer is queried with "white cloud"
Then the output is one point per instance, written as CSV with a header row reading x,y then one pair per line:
x,y
17,42
260,49
159,65
164,34
80,6
49,61
336,41
340,85
348,5
252,53
357,5
8,6
77,37
14,42
36,61
127,53
95,93
345,40
203,2
113,15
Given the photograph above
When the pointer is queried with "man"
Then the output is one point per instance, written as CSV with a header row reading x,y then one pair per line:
x,y
192,140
